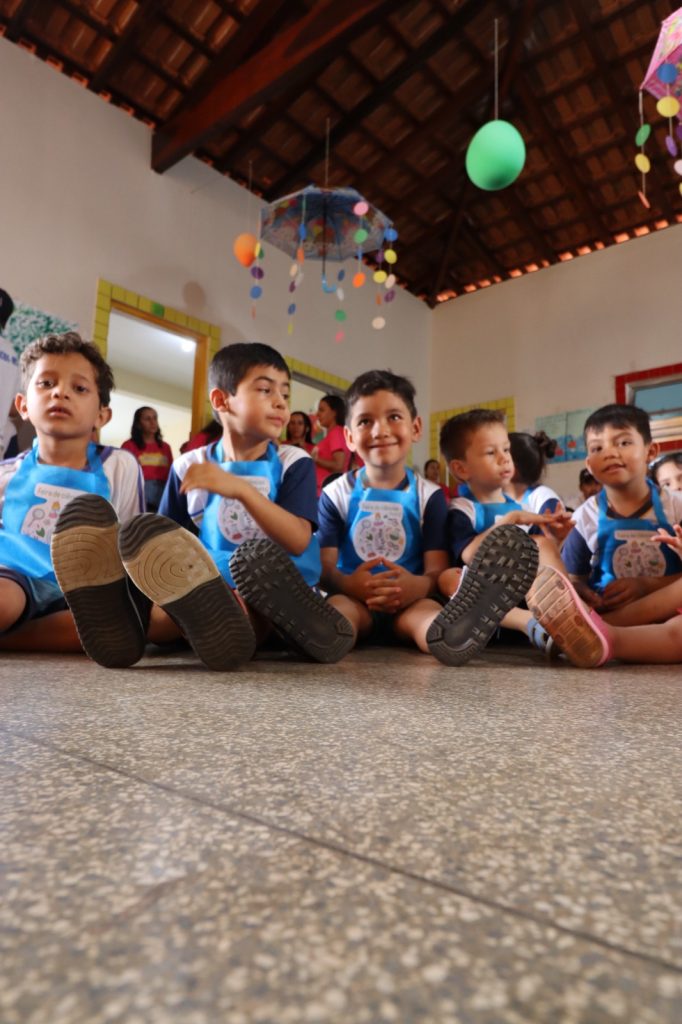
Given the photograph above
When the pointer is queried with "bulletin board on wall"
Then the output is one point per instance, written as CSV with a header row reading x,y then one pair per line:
x,y
566,428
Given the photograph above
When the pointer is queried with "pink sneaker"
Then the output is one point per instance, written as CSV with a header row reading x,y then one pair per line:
x,y
579,631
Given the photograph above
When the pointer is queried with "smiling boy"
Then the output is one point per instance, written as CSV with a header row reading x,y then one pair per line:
x,y
610,555
65,395
239,513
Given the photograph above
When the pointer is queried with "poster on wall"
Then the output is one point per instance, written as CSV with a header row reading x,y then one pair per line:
x,y
567,430
27,323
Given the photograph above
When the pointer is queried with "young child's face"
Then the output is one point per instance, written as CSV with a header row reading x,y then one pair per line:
x,y
62,400
260,407
669,475
618,456
487,464
382,430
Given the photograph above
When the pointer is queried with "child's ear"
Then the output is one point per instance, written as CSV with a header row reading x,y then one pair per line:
x,y
458,468
103,416
21,406
349,438
653,452
218,399
417,428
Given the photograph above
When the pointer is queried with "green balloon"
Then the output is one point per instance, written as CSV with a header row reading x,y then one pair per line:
x,y
495,156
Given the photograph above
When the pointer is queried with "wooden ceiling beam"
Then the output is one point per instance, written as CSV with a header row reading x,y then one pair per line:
x,y
379,95
15,24
292,56
126,43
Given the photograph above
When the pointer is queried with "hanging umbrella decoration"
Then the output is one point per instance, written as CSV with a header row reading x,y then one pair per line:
x,y
332,225
664,81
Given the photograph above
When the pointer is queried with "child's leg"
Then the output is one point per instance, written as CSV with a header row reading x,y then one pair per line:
x,y
357,613
271,584
498,578
413,623
175,571
549,553
110,617
51,634
12,603
660,643
655,607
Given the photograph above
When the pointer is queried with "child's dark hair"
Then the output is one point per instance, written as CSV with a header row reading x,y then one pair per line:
x,y
338,407
231,364
615,415
529,454
64,345
136,431
674,457
585,477
456,433
307,426
382,380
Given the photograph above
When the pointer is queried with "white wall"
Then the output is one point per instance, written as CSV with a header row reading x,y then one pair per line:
x,y
556,339
79,201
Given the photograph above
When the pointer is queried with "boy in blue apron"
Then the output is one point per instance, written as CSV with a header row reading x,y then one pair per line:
x,y
383,531
66,393
239,517
478,452
610,555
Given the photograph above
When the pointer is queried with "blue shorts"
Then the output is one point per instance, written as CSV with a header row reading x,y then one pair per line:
x,y
43,597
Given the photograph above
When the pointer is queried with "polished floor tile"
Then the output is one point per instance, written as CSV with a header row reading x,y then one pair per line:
x,y
385,839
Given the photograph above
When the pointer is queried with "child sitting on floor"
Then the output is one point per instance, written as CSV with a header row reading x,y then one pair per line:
x,y
476,446
529,454
611,555
666,471
383,539
254,508
66,388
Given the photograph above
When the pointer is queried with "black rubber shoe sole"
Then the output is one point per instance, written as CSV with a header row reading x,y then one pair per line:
x,y
268,581
91,575
498,578
174,570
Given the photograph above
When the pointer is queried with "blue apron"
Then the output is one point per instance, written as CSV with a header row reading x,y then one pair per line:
x,y
383,524
487,513
226,524
35,496
623,551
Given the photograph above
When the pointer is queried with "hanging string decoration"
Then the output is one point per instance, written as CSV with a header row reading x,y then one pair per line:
x,y
497,153
664,81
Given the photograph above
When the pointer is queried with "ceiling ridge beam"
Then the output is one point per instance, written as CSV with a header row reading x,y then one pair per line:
x,y
289,58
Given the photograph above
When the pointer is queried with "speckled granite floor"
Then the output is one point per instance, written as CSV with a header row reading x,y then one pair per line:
x,y
381,840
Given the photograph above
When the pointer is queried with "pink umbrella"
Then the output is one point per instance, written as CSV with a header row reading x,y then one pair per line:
x,y
664,76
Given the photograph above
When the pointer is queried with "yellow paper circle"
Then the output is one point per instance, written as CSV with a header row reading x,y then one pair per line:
x,y
379,276
391,256
668,106
643,163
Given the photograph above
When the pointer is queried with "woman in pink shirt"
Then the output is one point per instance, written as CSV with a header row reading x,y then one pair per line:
x,y
331,455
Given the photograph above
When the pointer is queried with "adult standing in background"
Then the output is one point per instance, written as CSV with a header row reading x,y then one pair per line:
x,y
300,431
331,454
10,376
151,451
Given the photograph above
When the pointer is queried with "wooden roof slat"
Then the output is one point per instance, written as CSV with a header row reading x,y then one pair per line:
x,y
123,48
290,57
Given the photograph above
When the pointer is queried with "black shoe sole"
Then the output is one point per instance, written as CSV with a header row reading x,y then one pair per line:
x,y
268,581
89,570
498,578
174,570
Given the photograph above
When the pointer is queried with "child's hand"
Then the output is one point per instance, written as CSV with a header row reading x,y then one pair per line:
x,y
359,582
395,588
560,527
590,597
623,591
663,537
520,517
208,476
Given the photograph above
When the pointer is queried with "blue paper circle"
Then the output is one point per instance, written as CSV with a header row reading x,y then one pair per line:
x,y
256,291
495,156
292,309
341,274
390,234
302,231
667,73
